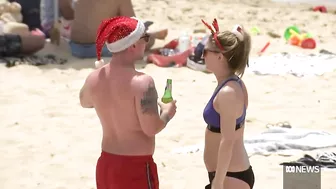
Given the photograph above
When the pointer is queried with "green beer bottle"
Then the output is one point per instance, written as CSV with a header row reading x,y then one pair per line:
x,y
167,96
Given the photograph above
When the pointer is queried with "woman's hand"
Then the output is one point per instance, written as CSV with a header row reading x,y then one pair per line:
x,y
217,184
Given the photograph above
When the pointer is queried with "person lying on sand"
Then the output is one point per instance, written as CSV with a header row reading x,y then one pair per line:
x,y
81,19
226,160
126,103
23,44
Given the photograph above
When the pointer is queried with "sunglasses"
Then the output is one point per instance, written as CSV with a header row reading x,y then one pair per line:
x,y
206,51
145,37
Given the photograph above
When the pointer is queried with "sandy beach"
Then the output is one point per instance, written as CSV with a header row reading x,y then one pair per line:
x,y
48,141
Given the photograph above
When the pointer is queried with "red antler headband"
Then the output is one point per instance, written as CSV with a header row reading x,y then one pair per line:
x,y
214,33
237,30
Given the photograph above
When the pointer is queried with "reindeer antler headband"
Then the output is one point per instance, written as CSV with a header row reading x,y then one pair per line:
x,y
237,30
214,33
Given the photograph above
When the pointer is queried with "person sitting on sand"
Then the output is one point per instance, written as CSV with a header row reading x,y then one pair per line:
x,y
82,17
15,37
126,103
226,55
30,11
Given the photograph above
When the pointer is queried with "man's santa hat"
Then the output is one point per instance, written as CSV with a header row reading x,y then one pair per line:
x,y
118,33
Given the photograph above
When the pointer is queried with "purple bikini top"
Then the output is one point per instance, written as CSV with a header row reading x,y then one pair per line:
x,y
212,118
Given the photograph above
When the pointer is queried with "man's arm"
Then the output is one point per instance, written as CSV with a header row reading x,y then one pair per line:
x,y
147,107
85,95
126,8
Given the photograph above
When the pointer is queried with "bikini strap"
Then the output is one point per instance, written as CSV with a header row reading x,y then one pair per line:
x,y
225,82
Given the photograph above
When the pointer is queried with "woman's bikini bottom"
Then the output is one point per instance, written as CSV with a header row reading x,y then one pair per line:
x,y
247,176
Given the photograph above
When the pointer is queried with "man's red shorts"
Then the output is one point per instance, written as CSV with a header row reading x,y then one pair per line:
x,y
126,172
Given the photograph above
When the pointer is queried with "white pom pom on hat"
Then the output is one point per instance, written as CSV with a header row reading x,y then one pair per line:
x,y
118,33
99,63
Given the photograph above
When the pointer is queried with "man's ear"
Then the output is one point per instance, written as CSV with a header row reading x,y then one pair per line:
x,y
131,48
220,56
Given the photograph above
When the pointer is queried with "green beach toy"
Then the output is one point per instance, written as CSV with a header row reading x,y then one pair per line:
x,y
288,32
255,30
308,35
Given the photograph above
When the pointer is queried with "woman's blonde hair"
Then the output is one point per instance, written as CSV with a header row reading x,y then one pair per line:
x,y
236,50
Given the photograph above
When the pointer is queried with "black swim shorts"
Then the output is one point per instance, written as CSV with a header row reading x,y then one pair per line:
x,y
10,45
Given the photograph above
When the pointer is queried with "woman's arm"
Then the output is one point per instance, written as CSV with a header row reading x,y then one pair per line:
x,y
227,103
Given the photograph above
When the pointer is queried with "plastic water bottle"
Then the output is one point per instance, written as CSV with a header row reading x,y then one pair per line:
x,y
199,48
183,42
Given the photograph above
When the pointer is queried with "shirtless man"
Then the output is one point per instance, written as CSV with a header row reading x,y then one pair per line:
x,y
126,103
86,16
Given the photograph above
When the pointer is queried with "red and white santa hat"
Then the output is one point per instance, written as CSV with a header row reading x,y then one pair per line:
x,y
118,33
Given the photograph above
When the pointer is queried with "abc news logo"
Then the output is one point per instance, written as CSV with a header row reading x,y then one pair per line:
x,y
302,169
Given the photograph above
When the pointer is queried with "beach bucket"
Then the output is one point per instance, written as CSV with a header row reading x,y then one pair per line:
x,y
288,34
294,40
309,43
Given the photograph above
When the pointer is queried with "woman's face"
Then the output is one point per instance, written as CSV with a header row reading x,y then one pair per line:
x,y
213,58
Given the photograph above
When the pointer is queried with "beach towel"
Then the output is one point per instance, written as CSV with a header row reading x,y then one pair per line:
x,y
278,140
324,160
299,65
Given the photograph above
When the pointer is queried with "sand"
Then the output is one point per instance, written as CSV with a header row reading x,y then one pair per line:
x,y
48,141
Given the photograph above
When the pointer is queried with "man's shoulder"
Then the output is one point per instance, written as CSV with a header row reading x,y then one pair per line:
x,y
143,81
92,78
142,78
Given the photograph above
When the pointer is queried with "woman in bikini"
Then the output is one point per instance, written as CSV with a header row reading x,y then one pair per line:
x,y
226,55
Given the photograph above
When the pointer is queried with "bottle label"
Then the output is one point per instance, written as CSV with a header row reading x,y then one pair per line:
x,y
169,87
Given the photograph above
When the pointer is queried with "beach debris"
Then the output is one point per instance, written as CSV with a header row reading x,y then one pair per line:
x,y
280,124
273,35
323,51
199,31
33,60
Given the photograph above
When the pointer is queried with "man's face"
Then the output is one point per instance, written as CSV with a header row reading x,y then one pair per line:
x,y
140,46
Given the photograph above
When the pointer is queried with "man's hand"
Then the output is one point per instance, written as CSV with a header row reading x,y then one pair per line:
x,y
167,111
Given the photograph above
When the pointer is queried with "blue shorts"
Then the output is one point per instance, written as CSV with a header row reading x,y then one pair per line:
x,y
87,50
